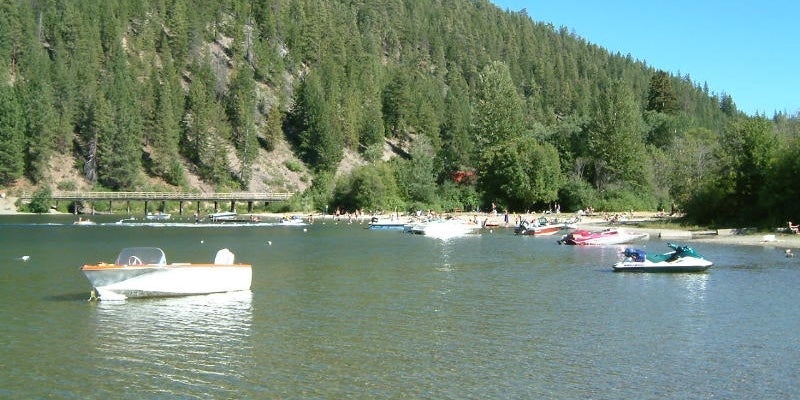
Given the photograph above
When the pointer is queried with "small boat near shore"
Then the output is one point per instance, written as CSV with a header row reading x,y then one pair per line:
x,y
680,259
388,223
444,228
223,216
540,227
159,216
294,220
582,237
144,272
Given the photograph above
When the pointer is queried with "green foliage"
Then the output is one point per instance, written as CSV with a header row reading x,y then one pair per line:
x,y
12,126
458,145
41,200
241,105
319,144
453,196
690,164
661,96
498,112
745,158
577,194
131,87
273,128
370,188
747,148
615,139
624,199
779,196
293,165
522,174
66,185
416,176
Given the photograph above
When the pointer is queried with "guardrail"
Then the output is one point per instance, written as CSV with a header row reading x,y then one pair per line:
x,y
176,196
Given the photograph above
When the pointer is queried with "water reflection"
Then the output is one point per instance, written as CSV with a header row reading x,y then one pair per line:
x,y
696,286
195,342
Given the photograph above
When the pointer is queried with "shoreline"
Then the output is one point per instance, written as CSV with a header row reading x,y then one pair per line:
x,y
777,239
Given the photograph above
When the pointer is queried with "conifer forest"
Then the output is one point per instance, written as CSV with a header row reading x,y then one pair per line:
x,y
373,105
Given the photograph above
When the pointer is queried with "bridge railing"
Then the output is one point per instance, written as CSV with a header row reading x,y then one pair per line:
x,y
176,196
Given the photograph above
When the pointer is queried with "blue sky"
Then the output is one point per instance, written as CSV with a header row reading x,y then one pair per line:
x,y
747,49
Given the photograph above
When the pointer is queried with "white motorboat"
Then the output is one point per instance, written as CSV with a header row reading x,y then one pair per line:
x,y
388,223
144,272
159,216
680,259
444,229
293,220
223,216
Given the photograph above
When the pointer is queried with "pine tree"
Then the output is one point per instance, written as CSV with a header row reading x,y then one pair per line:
x,y
615,138
498,112
12,136
319,143
241,111
661,96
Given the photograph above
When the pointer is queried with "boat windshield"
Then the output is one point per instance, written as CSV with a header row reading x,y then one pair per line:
x,y
141,256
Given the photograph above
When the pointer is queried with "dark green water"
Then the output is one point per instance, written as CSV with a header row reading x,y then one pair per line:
x,y
337,311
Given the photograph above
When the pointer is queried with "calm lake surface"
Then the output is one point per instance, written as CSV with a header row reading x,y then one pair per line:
x,y
338,311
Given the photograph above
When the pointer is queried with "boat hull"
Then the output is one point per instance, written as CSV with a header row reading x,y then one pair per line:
x,y
659,267
121,282
443,229
390,225
539,230
608,237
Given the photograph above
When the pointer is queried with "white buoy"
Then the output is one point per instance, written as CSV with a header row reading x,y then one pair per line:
x,y
202,241
269,242
305,230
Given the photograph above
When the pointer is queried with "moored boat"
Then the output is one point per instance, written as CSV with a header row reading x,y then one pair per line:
x,y
539,227
387,223
604,237
144,272
680,259
223,216
293,220
159,216
443,229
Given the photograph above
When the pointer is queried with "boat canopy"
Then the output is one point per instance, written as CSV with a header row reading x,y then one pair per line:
x,y
141,256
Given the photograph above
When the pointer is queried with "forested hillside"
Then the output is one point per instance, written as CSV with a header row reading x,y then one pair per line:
x,y
384,104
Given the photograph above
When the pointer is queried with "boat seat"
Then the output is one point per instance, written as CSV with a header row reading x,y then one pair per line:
x,y
224,257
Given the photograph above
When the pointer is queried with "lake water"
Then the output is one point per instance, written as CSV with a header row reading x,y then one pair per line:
x,y
338,311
